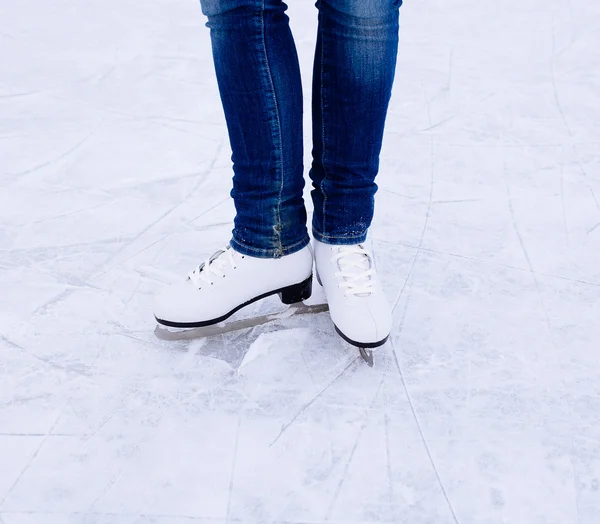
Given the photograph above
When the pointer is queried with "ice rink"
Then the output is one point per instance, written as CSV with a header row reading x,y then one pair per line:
x,y
484,407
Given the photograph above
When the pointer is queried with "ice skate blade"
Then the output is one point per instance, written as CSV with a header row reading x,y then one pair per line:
x,y
367,356
173,334
365,348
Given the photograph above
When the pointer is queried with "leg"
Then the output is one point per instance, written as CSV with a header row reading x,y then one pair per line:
x,y
354,69
259,82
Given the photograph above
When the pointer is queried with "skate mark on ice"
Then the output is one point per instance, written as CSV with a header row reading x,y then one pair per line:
x,y
181,129
50,250
460,201
38,435
421,434
50,363
413,410
529,264
7,35
151,184
63,295
388,460
34,456
595,199
54,160
426,222
130,335
562,198
310,375
162,238
20,401
491,263
401,195
145,518
141,233
308,404
558,102
450,69
233,466
528,259
202,178
594,228
120,405
574,480
467,109
63,215
597,206
550,334
13,135
115,478
571,32
340,485
522,145
20,95
206,211
553,78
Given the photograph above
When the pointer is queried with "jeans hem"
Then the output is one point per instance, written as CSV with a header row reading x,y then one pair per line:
x,y
340,240
244,249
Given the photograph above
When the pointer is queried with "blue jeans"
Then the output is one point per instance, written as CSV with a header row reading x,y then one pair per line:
x,y
259,81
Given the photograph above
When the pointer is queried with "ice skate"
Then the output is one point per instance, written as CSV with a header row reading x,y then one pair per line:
x,y
358,306
228,281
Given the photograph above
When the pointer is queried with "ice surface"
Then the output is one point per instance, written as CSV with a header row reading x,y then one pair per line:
x,y
114,175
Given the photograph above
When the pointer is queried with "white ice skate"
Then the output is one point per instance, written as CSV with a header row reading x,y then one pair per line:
x,y
359,308
228,281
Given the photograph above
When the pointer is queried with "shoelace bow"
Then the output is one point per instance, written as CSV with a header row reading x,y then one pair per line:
x,y
213,267
356,270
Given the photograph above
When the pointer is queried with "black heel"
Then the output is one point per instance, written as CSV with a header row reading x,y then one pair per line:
x,y
297,292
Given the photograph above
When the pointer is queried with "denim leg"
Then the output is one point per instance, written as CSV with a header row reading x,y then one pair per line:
x,y
259,82
355,62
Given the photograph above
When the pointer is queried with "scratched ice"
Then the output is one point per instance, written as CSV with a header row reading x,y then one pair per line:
x,y
114,175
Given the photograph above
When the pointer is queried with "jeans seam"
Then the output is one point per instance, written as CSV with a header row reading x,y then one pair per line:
x,y
278,118
322,89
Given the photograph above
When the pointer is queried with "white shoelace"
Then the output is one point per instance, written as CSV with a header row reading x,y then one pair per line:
x,y
213,267
356,270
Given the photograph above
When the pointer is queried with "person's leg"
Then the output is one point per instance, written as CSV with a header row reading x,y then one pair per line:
x,y
354,68
259,82
355,61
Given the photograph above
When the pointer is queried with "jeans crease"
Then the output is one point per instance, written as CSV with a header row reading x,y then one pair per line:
x,y
279,133
322,101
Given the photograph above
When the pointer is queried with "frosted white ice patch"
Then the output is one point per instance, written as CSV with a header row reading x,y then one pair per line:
x,y
280,346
